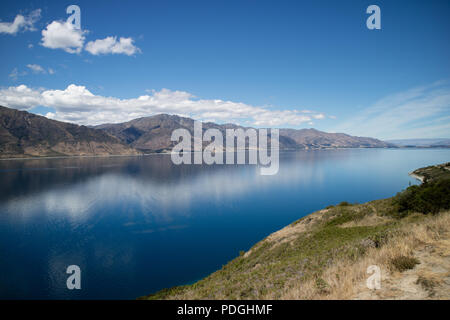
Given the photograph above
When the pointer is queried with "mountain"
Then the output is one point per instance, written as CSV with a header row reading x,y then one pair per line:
x,y
24,134
315,139
422,143
153,134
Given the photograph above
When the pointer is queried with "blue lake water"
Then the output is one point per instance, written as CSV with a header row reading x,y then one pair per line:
x,y
135,225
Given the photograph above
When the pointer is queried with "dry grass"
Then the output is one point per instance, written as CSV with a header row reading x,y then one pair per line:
x,y
368,221
345,278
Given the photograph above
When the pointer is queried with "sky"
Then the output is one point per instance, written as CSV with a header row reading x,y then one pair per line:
x,y
295,64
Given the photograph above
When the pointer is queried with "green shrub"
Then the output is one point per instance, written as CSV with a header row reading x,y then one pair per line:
x,y
344,204
402,263
427,198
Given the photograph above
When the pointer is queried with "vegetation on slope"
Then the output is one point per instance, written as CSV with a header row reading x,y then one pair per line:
x,y
431,196
325,254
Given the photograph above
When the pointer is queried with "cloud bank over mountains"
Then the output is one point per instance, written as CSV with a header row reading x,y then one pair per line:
x,y
78,104
418,112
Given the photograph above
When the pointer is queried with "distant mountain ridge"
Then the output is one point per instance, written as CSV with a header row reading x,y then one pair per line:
x,y
422,143
153,134
24,134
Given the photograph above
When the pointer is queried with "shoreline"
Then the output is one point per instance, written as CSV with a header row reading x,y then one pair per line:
x,y
168,153
416,176
86,156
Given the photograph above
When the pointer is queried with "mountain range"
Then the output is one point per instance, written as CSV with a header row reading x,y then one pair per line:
x,y
152,134
24,134
422,143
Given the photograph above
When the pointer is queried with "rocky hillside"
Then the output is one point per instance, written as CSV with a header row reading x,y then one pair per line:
x,y
153,134
24,134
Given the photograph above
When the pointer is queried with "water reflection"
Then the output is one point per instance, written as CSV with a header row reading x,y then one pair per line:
x,y
157,188
138,224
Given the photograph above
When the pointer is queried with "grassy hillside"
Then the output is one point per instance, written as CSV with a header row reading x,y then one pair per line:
x,y
325,254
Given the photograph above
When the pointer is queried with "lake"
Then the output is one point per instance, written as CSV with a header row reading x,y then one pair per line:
x,y
135,225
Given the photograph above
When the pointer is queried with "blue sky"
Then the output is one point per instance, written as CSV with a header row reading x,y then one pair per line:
x,y
261,63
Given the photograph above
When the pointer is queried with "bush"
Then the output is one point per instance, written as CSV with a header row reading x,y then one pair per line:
x,y
429,197
344,204
402,263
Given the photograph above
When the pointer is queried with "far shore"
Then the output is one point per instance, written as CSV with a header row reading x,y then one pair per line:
x,y
169,152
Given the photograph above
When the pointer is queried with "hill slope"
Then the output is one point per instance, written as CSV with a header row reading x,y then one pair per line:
x,y
25,134
325,255
153,134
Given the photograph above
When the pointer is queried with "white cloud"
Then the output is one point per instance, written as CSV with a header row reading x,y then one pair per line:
x,y
51,71
319,116
15,74
63,35
36,68
78,104
20,97
111,45
415,113
21,23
